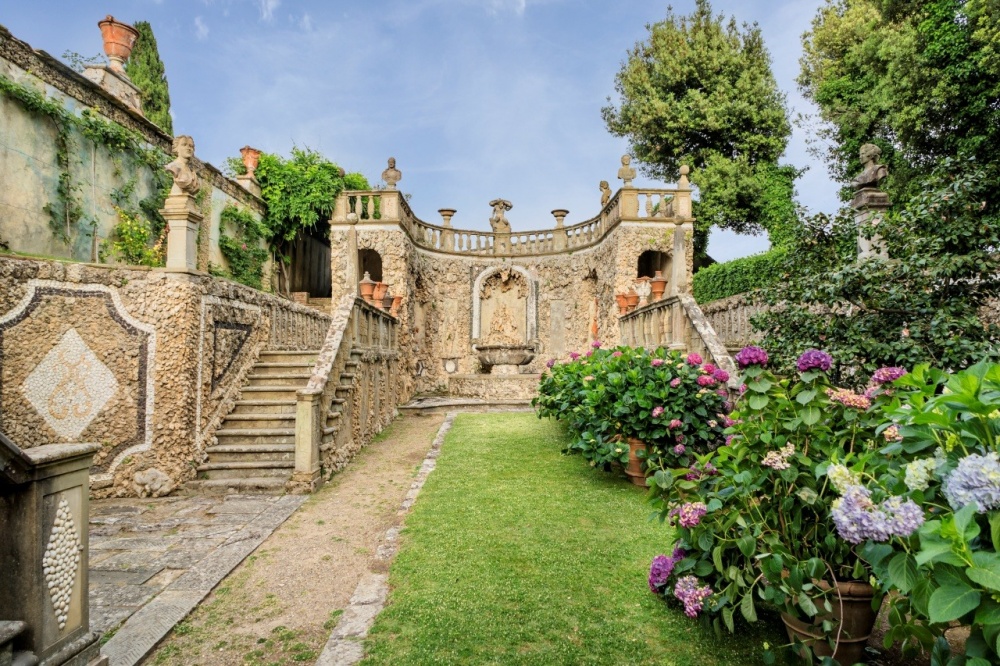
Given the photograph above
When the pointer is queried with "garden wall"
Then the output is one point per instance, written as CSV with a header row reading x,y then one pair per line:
x,y
145,362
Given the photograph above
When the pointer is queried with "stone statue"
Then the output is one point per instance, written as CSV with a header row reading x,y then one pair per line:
x,y
498,220
392,175
185,179
605,193
503,330
626,173
871,172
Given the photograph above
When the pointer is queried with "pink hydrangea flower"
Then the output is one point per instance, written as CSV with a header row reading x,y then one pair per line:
x,y
675,423
708,369
706,380
721,375
596,344
679,450
657,412
675,382
694,359
616,354
574,355
657,362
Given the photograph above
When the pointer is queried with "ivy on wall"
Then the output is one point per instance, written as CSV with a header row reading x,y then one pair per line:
x,y
242,250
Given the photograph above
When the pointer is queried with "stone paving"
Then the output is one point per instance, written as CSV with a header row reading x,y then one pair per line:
x,y
153,560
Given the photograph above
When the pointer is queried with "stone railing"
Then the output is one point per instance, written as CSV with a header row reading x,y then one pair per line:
x,y
351,395
677,323
730,318
627,205
295,327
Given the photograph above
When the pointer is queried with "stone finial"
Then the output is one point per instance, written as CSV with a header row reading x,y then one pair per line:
x,y
446,215
560,215
498,221
683,182
626,173
186,181
605,193
391,175
871,171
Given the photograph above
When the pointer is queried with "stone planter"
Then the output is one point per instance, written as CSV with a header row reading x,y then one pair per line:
x,y
379,293
634,469
852,607
251,158
387,300
119,40
658,284
504,359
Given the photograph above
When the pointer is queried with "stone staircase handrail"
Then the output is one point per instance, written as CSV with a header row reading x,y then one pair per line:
x,y
295,327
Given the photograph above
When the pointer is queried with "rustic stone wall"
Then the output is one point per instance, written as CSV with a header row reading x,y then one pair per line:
x,y
144,362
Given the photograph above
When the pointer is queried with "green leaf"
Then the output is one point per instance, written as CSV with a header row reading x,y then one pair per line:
x,y
810,415
805,397
727,617
705,541
985,570
995,530
746,544
964,523
952,602
988,612
758,401
807,605
747,607
717,558
903,572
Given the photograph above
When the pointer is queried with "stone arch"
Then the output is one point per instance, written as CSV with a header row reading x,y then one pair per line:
x,y
370,261
651,261
531,325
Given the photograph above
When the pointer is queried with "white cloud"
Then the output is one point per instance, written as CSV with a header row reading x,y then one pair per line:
x,y
517,6
306,23
267,8
200,28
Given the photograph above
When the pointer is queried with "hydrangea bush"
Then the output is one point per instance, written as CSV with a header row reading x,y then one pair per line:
x,y
676,404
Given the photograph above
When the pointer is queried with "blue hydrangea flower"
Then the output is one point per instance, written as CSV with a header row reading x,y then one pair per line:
x,y
976,479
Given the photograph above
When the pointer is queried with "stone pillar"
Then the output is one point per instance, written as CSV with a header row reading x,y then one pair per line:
x,y
628,200
559,239
682,199
870,205
44,520
680,264
390,206
447,236
308,429
183,217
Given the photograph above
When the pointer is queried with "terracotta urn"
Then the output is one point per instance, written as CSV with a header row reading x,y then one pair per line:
x,y
387,300
251,158
379,293
119,40
397,301
632,299
658,283
622,301
367,287
634,469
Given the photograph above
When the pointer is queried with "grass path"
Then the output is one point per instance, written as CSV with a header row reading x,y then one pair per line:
x,y
515,554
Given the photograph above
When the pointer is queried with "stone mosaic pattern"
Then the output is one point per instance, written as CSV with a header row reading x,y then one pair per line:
x,y
70,386
61,561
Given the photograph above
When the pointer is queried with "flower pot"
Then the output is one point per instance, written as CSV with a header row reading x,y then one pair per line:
x,y
387,300
634,469
251,158
632,299
658,284
852,607
379,293
622,304
367,287
119,40
397,301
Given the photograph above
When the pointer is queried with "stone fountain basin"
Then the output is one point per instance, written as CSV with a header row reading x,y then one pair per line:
x,y
490,355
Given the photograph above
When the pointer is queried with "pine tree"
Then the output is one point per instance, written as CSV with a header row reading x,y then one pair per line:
x,y
146,70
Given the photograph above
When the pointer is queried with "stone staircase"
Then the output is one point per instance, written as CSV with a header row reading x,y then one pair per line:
x,y
255,449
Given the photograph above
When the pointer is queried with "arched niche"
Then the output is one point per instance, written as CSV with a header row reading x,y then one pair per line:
x,y
499,276
370,261
651,261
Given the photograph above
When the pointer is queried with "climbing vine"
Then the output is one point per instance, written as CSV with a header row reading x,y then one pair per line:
x,y
242,250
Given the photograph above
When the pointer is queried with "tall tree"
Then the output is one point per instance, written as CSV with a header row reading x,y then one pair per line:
x,y
699,91
146,70
920,78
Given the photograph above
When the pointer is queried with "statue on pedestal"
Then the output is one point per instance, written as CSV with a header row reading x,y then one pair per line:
x,y
186,181
626,173
605,193
391,175
498,220
872,172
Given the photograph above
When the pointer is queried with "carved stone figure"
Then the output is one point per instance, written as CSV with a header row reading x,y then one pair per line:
x,y
152,483
503,330
185,179
605,193
872,172
626,173
392,175
498,220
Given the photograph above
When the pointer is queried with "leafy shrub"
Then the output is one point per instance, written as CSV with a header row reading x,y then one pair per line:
x,y
675,404
130,242
738,276
242,250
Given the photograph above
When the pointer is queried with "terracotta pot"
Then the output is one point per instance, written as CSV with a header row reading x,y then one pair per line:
x,y
251,158
852,608
397,301
367,287
119,40
659,285
379,293
622,304
387,300
634,470
632,299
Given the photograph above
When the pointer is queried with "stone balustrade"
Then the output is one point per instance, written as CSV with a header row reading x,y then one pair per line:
x,y
628,205
730,318
677,322
295,327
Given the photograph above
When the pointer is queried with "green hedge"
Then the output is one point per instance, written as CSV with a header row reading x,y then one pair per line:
x,y
738,276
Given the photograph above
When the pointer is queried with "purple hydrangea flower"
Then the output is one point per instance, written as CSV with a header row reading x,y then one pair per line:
x,y
661,568
657,412
596,344
574,355
814,359
689,514
887,375
706,380
675,382
721,375
857,518
550,363
679,450
692,595
751,355
976,479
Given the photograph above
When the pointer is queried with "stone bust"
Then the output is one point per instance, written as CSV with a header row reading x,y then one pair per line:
x,y
626,173
498,220
185,179
871,171
605,193
392,175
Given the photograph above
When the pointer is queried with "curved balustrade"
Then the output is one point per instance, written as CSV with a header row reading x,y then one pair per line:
x,y
630,205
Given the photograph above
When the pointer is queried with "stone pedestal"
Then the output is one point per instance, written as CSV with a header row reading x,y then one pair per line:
x,y
183,218
116,83
249,183
870,205
44,516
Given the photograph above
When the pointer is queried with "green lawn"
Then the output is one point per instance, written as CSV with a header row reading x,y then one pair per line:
x,y
516,554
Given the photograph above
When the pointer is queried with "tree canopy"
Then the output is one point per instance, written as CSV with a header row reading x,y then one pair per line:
x,y
920,78
699,91
146,70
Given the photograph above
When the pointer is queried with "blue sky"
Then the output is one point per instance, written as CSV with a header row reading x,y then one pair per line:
x,y
476,99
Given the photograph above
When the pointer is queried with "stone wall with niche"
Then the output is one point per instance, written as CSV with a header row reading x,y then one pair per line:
x,y
144,362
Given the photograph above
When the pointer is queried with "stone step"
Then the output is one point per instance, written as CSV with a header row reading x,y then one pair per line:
x,y
263,407
288,357
247,469
298,379
222,453
251,436
266,485
282,368
270,393
260,420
